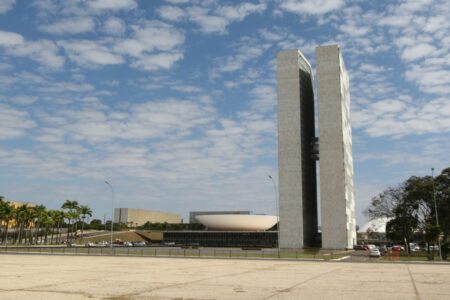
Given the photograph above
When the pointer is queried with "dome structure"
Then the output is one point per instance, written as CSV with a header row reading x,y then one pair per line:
x,y
231,222
376,225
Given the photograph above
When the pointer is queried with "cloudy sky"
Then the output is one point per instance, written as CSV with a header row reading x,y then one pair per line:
x,y
174,102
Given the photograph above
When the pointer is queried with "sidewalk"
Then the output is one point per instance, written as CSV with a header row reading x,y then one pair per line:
x,y
84,277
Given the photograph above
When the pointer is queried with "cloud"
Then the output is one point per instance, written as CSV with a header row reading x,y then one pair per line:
x,y
171,13
214,18
88,53
44,52
114,26
153,45
150,120
14,123
401,117
112,4
311,7
264,98
10,39
6,5
417,51
23,99
74,25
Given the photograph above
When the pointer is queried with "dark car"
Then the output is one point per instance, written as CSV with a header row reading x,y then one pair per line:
x,y
360,247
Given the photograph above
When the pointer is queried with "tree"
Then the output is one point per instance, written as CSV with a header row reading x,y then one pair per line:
x,y
84,211
96,224
7,213
410,208
71,213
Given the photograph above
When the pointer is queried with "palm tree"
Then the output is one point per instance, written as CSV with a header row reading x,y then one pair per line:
x,y
22,218
71,207
39,213
7,212
84,211
48,222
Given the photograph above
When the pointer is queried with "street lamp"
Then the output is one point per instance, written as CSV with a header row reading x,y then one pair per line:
x,y
278,214
112,212
436,212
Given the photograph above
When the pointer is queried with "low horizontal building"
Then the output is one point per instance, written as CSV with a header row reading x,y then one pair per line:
x,y
136,217
260,239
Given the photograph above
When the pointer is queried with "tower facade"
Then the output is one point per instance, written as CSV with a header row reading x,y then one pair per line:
x,y
296,137
335,148
297,145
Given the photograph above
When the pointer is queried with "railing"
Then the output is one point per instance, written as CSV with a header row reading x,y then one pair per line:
x,y
154,251
172,252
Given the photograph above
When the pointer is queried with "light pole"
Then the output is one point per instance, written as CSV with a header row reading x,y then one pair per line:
x,y
112,212
277,210
436,212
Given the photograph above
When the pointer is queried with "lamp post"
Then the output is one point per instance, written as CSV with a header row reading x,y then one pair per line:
x,y
112,213
436,211
278,214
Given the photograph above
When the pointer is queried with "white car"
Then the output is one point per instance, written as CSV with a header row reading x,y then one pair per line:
x,y
140,244
375,252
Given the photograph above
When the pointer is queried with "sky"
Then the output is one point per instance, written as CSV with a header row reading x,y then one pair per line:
x,y
174,102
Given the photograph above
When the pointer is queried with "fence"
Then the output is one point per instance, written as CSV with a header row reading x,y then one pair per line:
x,y
172,252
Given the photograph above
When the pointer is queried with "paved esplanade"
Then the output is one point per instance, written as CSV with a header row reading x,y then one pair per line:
x,y
81,277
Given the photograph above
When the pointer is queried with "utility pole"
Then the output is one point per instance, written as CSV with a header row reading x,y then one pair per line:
x,y
436,212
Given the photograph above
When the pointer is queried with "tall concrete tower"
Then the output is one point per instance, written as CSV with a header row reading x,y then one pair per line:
x,y
296,138
297,155
337,201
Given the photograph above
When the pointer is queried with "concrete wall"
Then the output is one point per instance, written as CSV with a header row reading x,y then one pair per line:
x,y
335,150
297,170
134,216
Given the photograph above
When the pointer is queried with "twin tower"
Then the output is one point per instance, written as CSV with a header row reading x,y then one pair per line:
x,y
299,149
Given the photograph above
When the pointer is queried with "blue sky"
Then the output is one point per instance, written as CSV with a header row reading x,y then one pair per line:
x,y
174,102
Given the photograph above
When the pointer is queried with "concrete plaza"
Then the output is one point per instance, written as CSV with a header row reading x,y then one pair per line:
x,y
84,277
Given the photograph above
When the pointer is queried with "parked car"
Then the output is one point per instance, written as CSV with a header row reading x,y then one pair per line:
x,y
89,244
397,248
103,243
128,244
168,243
139,244
375,252
359,247
371,246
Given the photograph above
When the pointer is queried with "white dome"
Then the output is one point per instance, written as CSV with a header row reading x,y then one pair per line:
x,y
376,225
237,222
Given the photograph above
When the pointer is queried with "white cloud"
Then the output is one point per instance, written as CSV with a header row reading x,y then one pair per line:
x,y
213,18
14,123
113,4
6,5
44,52
177,1
418,51
23,99
74,25
311,7
10,39
88,53
400,117
264,98
153,45
171,13
65,87
114,26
